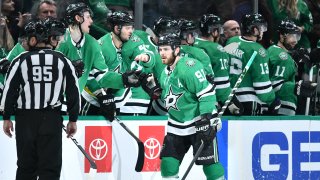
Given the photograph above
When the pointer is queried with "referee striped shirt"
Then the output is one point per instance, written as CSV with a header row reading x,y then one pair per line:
x,y
38,80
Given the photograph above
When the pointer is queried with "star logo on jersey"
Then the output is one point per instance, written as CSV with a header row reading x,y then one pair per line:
x,y
171,100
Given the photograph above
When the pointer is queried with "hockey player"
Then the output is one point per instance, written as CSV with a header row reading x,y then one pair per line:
x,y
211,28
79,45
125,51
188,98
283,69
255,88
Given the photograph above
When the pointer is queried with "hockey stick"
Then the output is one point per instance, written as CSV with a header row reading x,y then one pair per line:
x,y
140,160
244,72
93,166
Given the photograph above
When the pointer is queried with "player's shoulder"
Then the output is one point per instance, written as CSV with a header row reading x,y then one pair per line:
x,y
187,64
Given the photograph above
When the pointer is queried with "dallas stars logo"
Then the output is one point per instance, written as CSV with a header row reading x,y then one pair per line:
x,y
172,99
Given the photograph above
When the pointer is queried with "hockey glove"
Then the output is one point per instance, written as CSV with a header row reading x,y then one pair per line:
x,y
305,88
235,106
210,78
273,108
150,85
131,78
205,130
107,106
4,66
79,67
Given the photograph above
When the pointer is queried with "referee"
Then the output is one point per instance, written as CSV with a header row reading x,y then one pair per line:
x,y
35,85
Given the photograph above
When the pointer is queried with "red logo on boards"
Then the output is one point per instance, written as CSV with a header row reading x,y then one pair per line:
x,y
152,136
98,143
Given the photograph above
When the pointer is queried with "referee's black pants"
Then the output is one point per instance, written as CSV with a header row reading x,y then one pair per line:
x,y
39,144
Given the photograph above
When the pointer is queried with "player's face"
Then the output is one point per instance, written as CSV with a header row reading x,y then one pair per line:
x,y
126,32
87,21
166,53
291,40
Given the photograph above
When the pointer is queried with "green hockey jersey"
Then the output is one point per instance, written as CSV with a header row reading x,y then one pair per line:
x,y
256,85
90,52
282,74
219,60
187,95
122,60
15,52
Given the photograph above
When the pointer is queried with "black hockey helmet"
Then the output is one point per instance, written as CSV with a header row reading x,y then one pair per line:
x,y
36,28
250,21
54,26
120,18
287,26
170,39
164,25
76,9
209,23
187,25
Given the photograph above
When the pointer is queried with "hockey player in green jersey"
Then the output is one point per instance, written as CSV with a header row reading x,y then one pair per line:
x,y
211,28
189,99
79,45
255,88
125,51
283,69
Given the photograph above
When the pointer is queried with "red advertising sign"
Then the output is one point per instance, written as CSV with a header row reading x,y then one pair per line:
x,y
98,143
152,136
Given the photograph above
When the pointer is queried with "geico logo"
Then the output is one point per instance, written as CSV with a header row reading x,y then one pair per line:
x,y
290,157
202,128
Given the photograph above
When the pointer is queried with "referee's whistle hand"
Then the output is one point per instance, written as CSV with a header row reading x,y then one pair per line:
x,y
8,127
71,129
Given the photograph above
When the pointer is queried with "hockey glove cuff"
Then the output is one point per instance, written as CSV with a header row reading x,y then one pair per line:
x,y
273,108
150,85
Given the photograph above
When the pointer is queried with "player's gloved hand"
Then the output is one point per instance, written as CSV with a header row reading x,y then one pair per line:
x,y
79,67
4,66
273,108
107,106
305,88
131,78
235,106
207,127
150,85
210,78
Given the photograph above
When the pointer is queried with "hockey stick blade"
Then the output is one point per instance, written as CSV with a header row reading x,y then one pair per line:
x,y
140,159
193,160
86,155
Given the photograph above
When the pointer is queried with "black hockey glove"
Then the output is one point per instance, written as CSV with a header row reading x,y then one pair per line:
x,y
207,127
4,66
305,88
107,106
235,107
79,67
150,85
273,108
131,78
210,78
